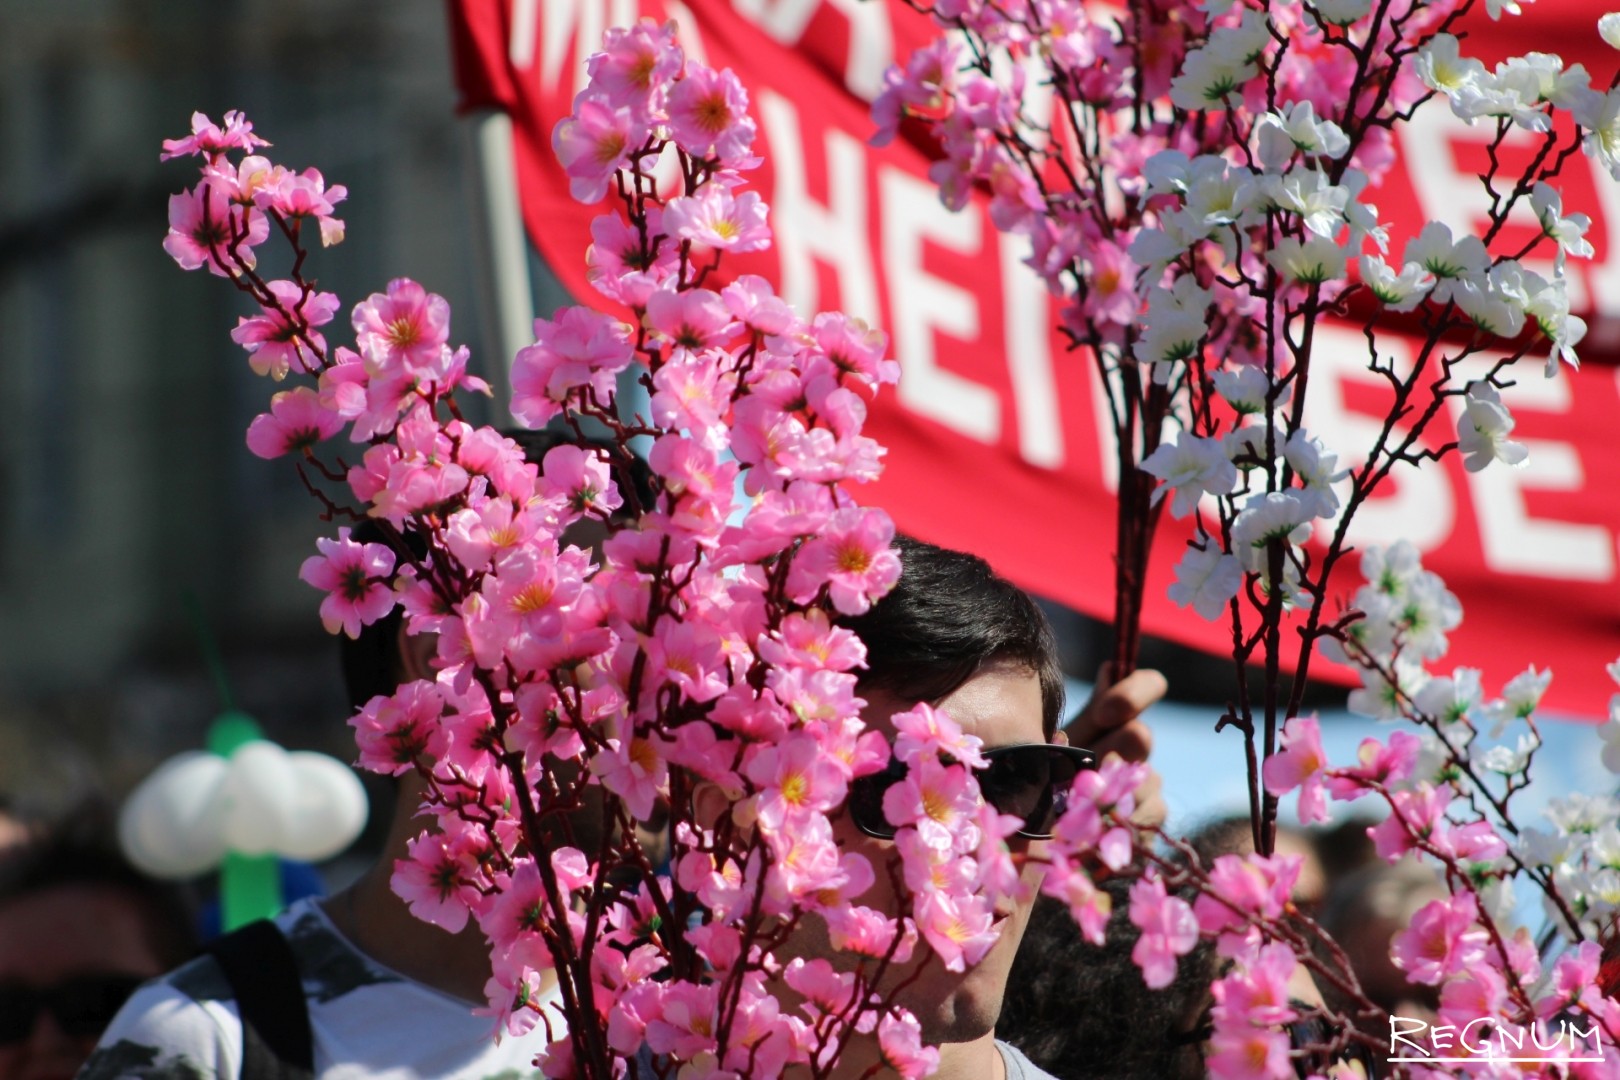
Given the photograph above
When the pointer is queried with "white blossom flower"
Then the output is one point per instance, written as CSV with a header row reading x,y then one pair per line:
x,y
1569,233
1494,304
1609,29
1494,8
1207,79
1600,116
1280,135
1506,760
1308,262
1610,733
1435,251
1483,430
1430,612
1207,578
1578,812
1166,172
1313,465
1175,322
1154,249
1268,516
1519,699
1318,201
1245,388
1383,699
1217,194
1440,67
1362,217
1190,466
1211,74
1398,292
1538,847
1392,569
1548,304
1452,698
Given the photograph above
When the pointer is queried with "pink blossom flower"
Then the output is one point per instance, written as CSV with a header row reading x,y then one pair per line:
x,y
900,1041
405,328
356,578
296,196
435,881
1257,991
923,733
1299,764
392,731
282,338
208,139
856,349
852,560
297,420
1067,881
635,65
867,932
708,115
1245,885
809,640
580,350
206,230
1445,938
581,481
1241,1051
935,799
1169,930
717,219
795,778
1376,764
694,319
694,396
752,300
593,142
635,769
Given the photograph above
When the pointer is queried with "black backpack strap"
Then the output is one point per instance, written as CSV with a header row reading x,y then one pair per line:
x,y
263,973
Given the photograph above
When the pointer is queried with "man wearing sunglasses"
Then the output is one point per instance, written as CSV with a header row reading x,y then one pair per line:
x,y
955,635
80,929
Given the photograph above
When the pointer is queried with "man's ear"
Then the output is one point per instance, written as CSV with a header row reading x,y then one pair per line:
x,y
415,652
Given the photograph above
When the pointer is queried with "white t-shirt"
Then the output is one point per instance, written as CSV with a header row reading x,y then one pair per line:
x,y
366,1021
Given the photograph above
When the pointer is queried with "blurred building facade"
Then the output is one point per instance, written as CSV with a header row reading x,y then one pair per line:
x,y
124,481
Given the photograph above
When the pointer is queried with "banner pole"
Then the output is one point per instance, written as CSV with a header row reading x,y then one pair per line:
x,y
506,299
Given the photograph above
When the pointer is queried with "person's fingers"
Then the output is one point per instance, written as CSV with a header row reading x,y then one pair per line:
x,y
1151,808
1133,742
1127,699
1114,706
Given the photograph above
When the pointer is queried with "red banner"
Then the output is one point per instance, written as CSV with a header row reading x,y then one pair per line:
x,y
997,439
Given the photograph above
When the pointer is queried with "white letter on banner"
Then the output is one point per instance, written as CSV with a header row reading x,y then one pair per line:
x,y
580,23
1415,504
1029,356
871,39
806,230
921,305
1513,541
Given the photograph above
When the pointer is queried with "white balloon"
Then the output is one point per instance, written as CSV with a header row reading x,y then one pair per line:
x,y
256,798
167,827
327,809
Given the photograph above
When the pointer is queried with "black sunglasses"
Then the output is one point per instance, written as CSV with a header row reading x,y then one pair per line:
x,y
1030,782
82,1007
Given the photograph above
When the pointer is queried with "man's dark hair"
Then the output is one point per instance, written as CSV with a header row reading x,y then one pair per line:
x,y
76,857
948,617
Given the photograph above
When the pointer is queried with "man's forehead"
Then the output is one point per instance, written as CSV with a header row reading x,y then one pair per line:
x,y
1001,705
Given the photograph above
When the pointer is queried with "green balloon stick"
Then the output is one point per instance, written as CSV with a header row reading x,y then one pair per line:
x,y
249,885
